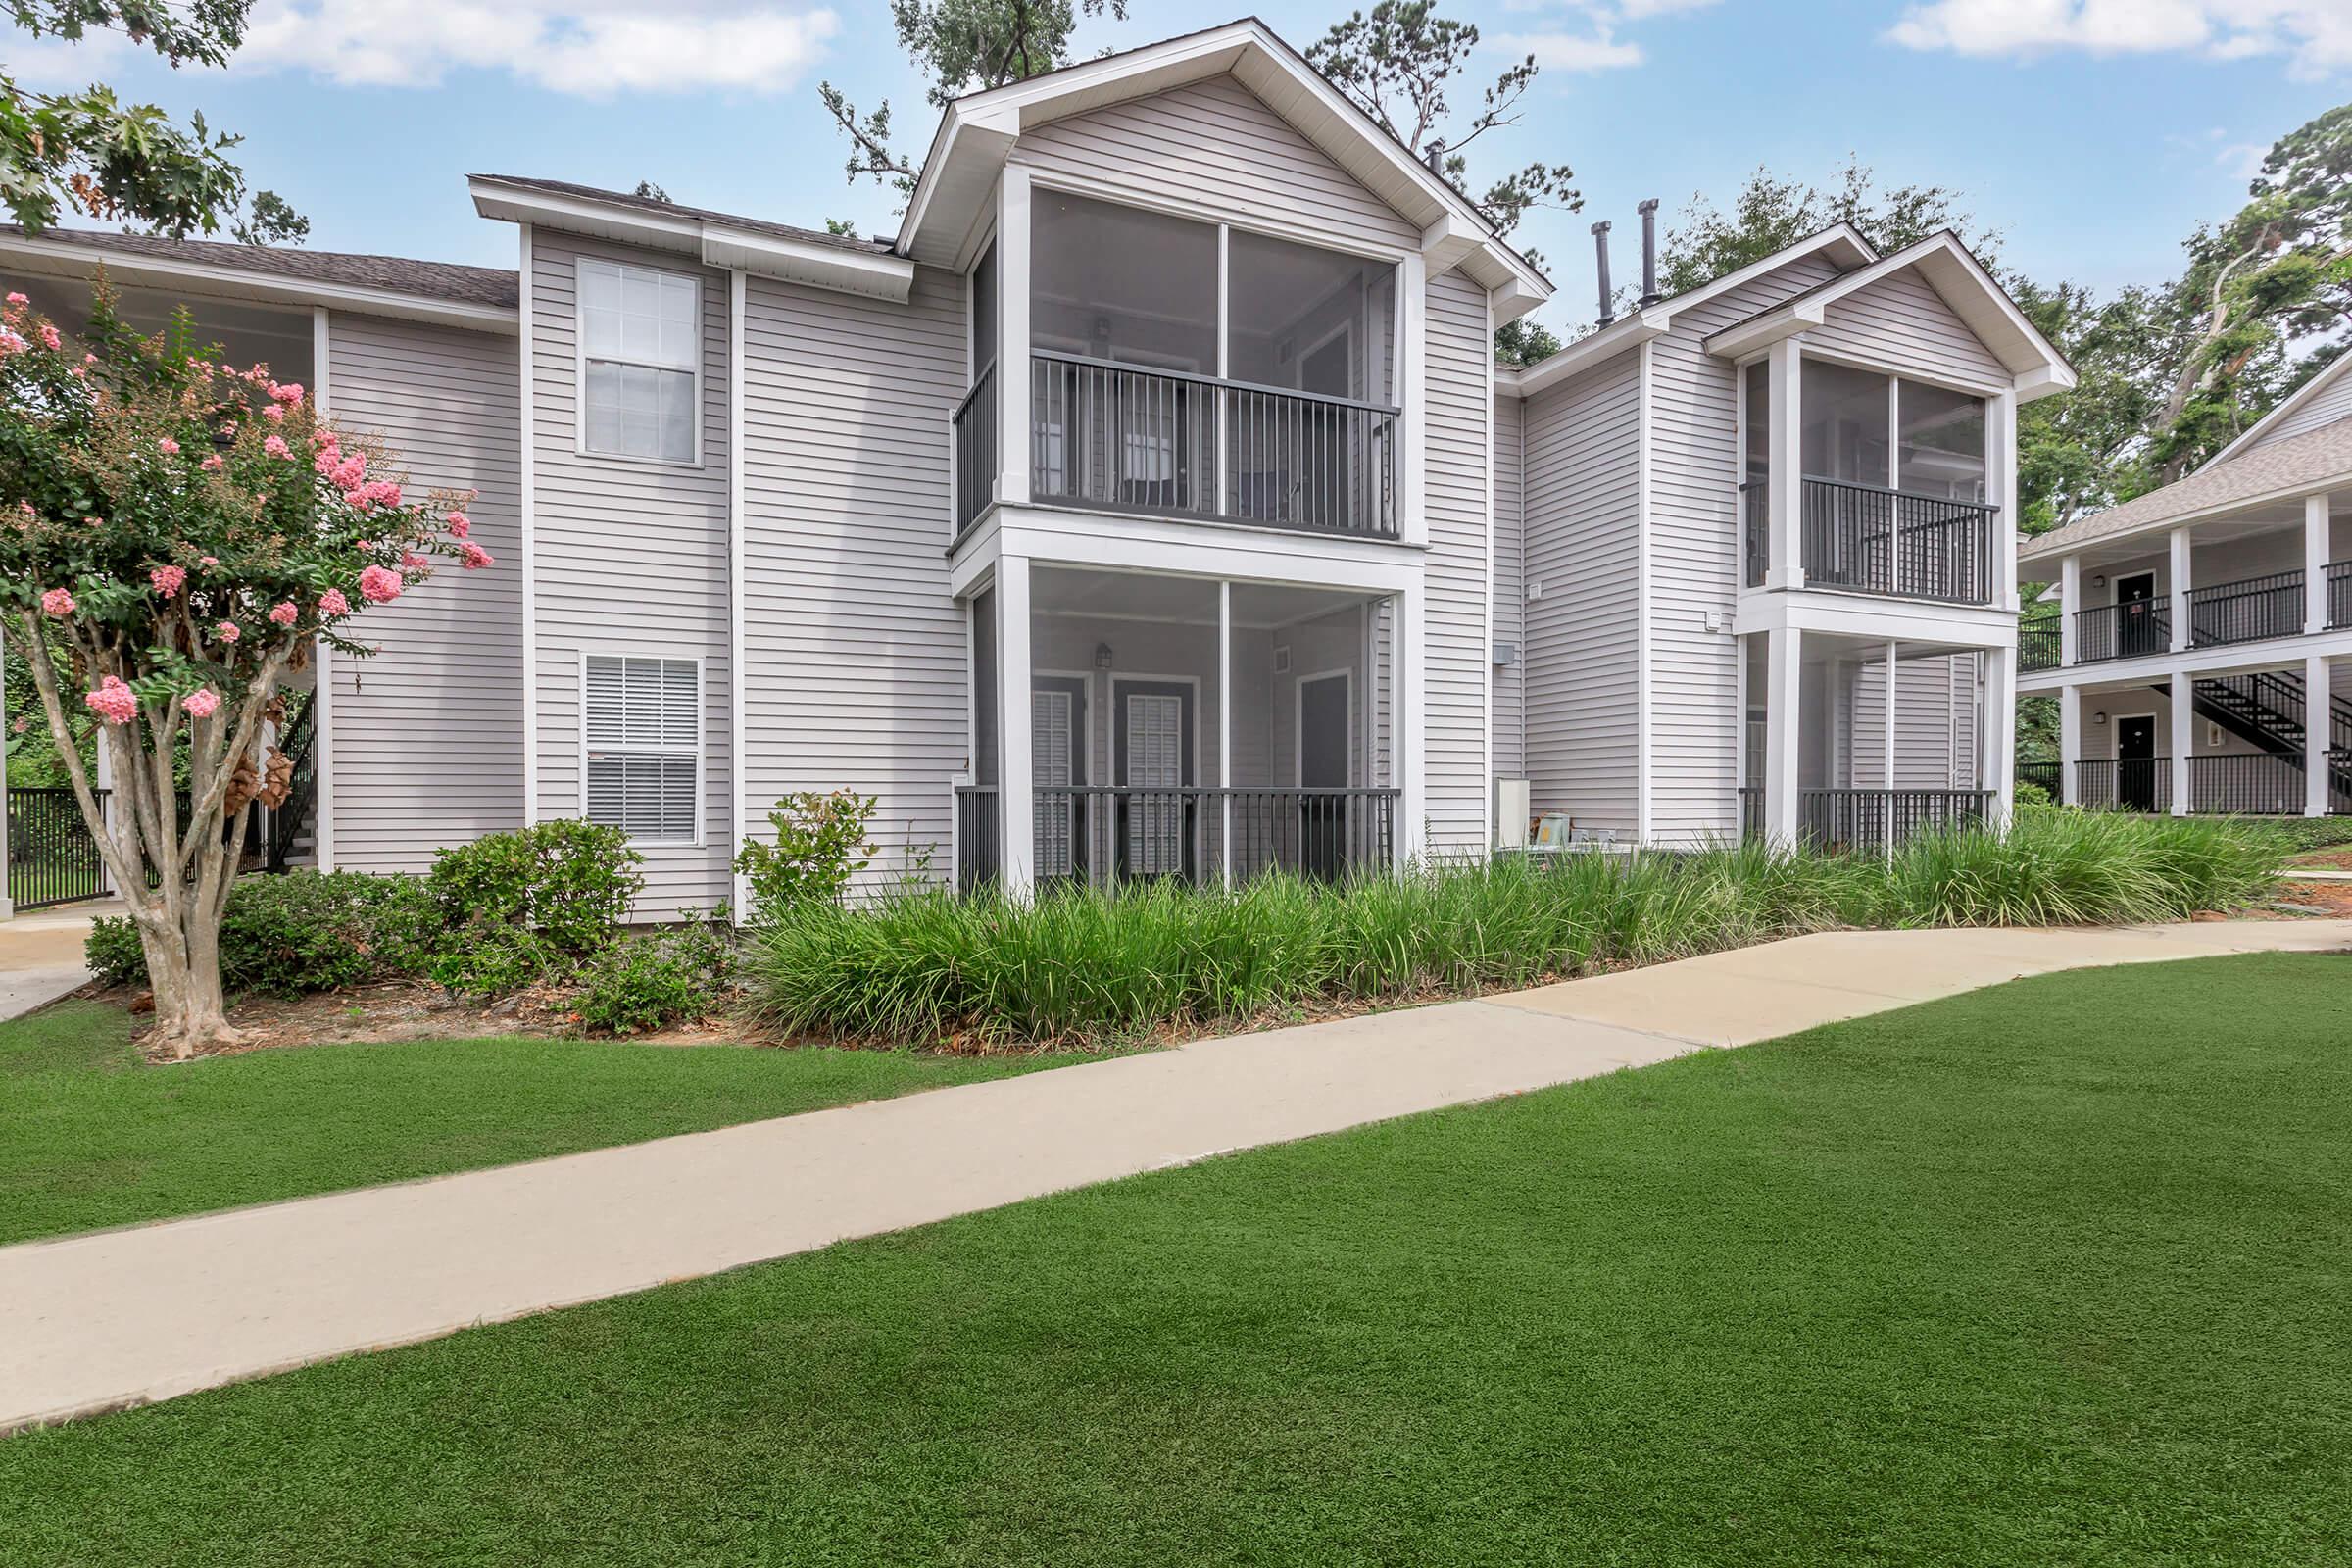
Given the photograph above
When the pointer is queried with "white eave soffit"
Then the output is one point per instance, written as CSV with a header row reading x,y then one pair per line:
x,y
873,275
976,135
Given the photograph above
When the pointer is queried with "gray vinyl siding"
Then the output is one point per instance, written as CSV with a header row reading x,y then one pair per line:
x,y
427,735
630,558
1901,320
1693,561
1215,146
1509,587
2326,406
1935,725
1582,498
1457,448
854,651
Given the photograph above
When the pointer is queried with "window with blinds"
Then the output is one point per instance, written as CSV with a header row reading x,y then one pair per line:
x,y
645,746
639,354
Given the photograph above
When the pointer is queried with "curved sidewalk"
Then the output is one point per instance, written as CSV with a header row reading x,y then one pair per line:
x,y
123,1317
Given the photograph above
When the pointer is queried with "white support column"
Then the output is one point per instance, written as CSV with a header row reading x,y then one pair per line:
x,y
2070,600
2184,722
1225,730
1012,348
1784,678
1894,671
1017,804
322,662
1785,490
2002,414
1412,837
1996,735
2318,695
1412,481
2070,745
2316,547
2182,580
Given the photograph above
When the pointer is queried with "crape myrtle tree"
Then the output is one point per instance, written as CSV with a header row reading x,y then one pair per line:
x,y
176,535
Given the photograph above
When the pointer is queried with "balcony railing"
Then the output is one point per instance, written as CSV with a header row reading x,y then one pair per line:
x,y
1885,818
1167,442
2129,630
2130,784
2038,644
977,450
1884,541
2247,611
1755,531
2047,777
2339,593
1099,835
2247,784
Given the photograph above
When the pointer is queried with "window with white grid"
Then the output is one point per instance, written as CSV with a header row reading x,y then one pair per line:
x,y
640,343
645,746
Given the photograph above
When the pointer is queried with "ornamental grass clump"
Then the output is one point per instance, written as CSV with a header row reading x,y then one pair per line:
x,y
925,966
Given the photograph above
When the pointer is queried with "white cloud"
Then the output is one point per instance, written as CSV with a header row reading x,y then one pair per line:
x,y
2315,35
2243,160
1568,51
587,47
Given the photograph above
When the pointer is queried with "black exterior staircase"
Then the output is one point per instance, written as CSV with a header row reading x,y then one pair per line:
x,y
2267,709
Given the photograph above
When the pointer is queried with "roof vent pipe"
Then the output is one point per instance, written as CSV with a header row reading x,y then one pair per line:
x,y
1649,252
1600,249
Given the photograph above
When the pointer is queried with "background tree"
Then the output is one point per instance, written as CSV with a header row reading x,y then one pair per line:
x,y
1771,214
175,536
961,46
128,162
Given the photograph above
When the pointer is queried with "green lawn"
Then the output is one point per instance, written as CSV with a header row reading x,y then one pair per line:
x,y
2055,1273
91,1136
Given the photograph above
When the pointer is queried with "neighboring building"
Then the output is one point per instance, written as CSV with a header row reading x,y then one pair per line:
x,y
1149,505
2201,651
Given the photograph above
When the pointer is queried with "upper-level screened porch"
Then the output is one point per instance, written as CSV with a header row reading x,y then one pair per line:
x,y
1177,368
1894,491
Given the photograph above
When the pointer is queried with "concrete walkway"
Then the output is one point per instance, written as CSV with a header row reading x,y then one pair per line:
x,y
120,1317
40,955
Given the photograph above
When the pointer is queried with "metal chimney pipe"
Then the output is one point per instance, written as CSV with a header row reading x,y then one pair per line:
x,y
1600,249
1649,252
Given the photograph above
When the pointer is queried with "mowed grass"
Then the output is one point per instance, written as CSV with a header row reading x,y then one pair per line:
x,y
92,1136
2053,1273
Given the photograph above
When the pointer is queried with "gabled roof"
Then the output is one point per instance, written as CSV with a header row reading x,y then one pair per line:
x,y
1957,277
388,284
2275,471
976,134
2334,372
842,262
1841,242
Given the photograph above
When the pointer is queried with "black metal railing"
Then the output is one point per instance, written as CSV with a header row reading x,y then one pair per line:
x,y
1755,531
1884,818
2339,782
2129,630
2128,784
1893,542
280,830
2339,593
2048,777
1111,436
978,833
2038,643
2247,611
51,857
977,450
1751,810
1099,835
2247,784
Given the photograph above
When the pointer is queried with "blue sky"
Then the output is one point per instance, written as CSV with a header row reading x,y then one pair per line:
x,y
2092,133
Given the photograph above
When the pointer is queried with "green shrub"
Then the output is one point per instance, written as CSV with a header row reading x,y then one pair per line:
x,y
486,959
820,843
1092,966
302,931
2030,793
569,880
659,977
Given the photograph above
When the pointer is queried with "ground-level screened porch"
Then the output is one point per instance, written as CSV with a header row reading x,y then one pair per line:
x,y
1173,727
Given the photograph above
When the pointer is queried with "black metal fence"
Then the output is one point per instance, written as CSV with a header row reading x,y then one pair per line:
x,y
2038,644
1893,542
1751,810
2048,777
1099,835
2247,610
1111,436
2247,784
2339,593
1881,818
1755,531
2130,784
977,450
2129,630
51,857
978,835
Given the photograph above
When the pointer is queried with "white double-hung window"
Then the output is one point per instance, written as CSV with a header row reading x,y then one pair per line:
x,y
640,384
644,735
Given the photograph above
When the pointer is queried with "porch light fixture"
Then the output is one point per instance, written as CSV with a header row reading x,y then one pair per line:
x,y
2098,579
2099,717
1102,655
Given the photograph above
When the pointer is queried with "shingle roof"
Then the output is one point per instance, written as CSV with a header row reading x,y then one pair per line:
x,y
2303,461
398,275
650,204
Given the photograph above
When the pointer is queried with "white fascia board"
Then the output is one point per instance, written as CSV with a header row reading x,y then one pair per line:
x,y
2236,659
1513,299
826,266
2303,394
1168,547
1873,618
1758,333
1449,242
50,259
1631,331
579,214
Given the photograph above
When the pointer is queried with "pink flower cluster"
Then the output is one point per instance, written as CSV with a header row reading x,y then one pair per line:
x,y
475,556
57,602
333,603
167,580
226,631
284,613
459,525
201,702
289,393
168,447
273,413
277,446
49,336
380,585
10,343
372,494
213,464
344,473
112,700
